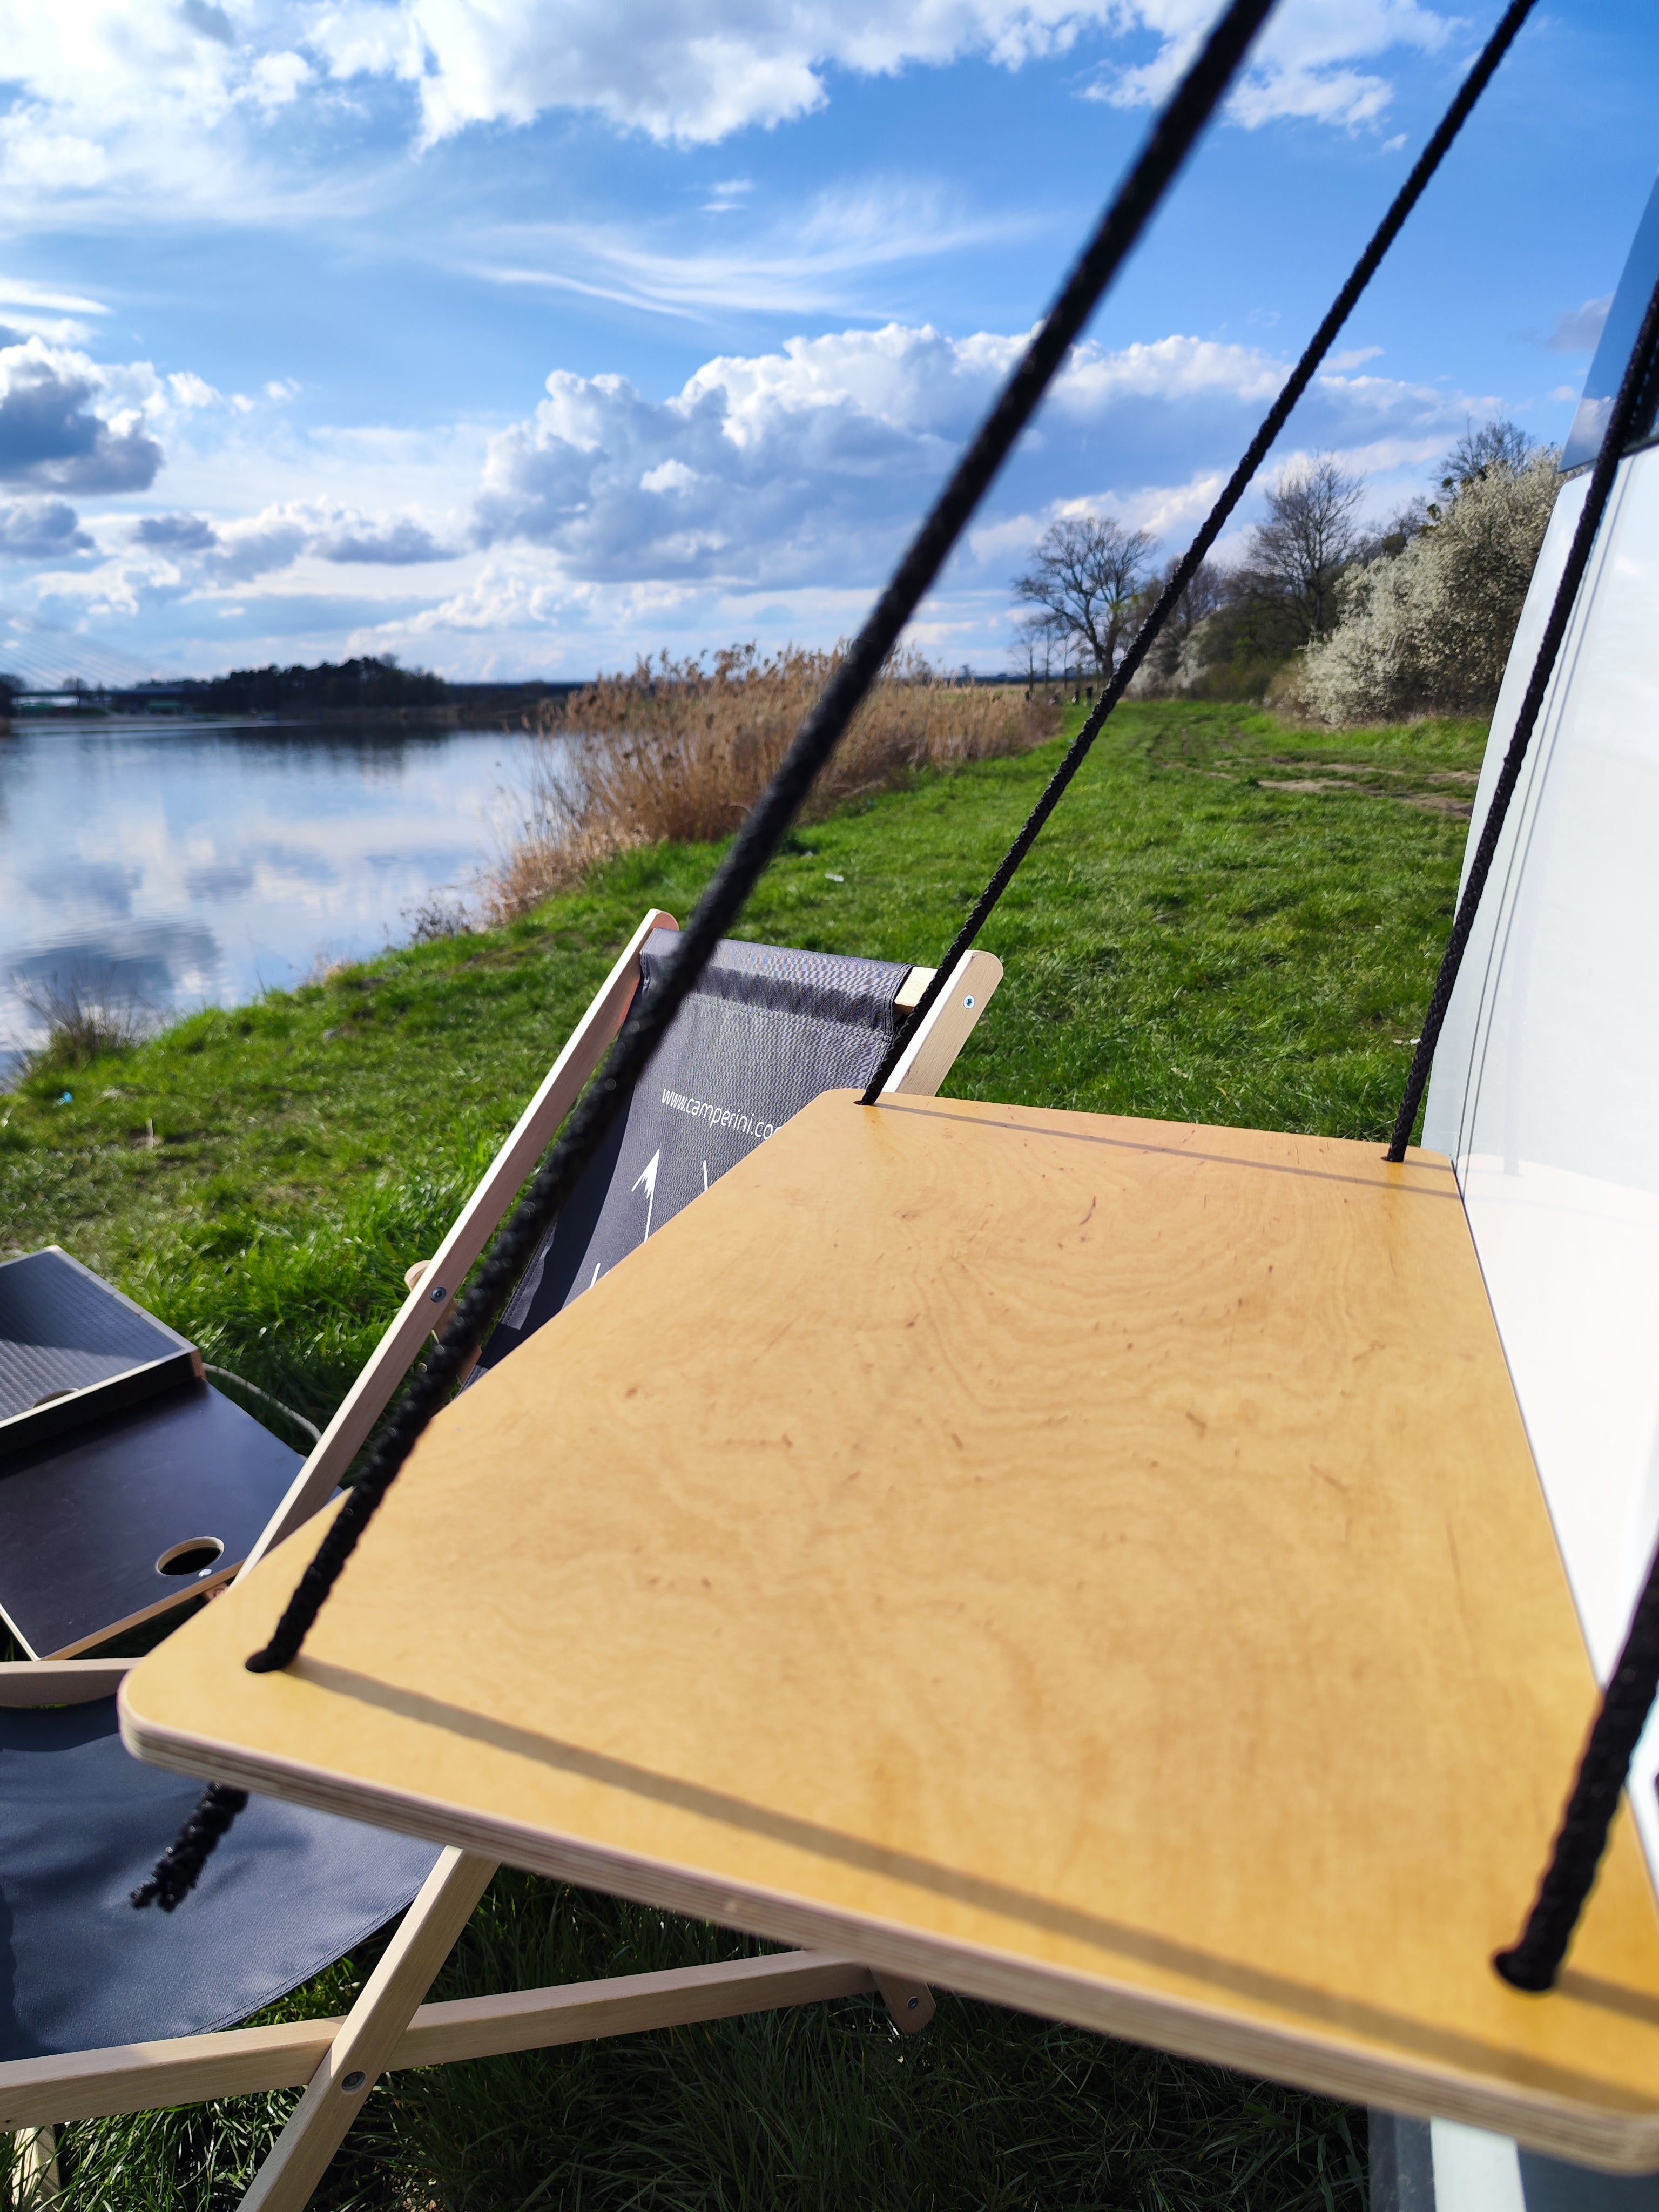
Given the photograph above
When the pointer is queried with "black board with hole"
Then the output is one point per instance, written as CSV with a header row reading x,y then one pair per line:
x,y
131,1514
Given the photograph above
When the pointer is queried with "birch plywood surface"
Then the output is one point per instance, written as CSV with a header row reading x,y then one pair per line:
x,y
1096,1565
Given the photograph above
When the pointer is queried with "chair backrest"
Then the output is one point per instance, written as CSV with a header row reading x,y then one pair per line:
x,y
766,1031
1546,1086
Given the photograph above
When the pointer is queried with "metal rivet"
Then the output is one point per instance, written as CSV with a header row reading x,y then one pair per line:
x,y
439,1295
969,1001
913,2002
354,2081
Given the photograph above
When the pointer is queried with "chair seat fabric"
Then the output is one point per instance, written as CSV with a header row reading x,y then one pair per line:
x,y
766,1031
82,1824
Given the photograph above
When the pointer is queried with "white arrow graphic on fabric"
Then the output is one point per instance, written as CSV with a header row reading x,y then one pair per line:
x,y
649,1179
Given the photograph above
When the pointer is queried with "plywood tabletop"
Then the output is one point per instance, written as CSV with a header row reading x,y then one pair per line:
x,y
1095,1564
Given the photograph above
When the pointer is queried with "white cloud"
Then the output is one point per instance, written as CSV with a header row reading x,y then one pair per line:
x,y
191,389
1301,66
40,530
696,72
767,496
805,466
18,292
820,258
257,545
181,94
55,434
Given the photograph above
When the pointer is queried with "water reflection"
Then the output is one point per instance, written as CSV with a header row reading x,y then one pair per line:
x,y
182,865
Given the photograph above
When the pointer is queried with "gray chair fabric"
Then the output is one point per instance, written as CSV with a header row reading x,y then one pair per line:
x,y
82,1824
765,1031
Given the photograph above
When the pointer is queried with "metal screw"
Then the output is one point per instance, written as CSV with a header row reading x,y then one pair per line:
x,y
914,2001
439,1295
969,1001
354,2081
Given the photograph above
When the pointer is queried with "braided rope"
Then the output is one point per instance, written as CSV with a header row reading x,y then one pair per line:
x,y
180,1866
1168,145
1274,421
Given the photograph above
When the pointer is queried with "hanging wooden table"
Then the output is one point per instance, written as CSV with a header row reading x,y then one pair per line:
x,y
1096,1565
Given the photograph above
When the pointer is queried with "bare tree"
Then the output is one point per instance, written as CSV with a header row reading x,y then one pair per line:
x,y
1297,554
1498,444
1206,592
1083,585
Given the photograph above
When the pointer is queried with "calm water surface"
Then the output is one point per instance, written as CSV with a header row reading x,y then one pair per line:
x,y
187,865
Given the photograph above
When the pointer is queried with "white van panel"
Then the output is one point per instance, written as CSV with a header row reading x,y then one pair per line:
x,y
1546,1086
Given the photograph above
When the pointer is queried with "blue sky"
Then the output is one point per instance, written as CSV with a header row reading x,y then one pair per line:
x,y
520,338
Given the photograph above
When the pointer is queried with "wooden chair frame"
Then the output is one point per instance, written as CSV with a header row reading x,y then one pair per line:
x,y
338,2061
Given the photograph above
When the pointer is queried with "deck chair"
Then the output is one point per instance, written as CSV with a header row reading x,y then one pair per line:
x,y
767,1029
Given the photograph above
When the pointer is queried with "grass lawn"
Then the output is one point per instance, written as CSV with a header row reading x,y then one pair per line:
x,y
1229,921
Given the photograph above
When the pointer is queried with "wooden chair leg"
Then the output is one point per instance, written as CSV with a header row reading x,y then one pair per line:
x,y
369,2034
32,2156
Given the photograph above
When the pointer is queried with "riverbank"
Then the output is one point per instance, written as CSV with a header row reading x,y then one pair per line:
x,y
1229,920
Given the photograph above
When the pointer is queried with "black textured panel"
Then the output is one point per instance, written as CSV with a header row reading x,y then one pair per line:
x,y
64,1332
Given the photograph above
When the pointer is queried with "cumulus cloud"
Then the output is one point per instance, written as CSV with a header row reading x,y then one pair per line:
x,y
803,466
173,91
175,533
397,544
257,545
1303,65
53,436
40,530
698,72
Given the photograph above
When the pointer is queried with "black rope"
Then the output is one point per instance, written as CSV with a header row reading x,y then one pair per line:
x,y
1533,1963
180,1866
1629,406
1300,377
1169,143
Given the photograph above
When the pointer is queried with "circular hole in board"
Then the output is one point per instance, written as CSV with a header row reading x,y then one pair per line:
x,y
193,1557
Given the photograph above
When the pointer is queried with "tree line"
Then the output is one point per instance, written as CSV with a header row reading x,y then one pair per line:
x,y
365,684
1317,613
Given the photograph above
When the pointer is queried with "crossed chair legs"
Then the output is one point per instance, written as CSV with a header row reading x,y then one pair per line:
x,y
389,2029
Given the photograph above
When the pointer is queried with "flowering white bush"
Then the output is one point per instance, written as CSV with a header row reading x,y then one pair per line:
x,y
1430,627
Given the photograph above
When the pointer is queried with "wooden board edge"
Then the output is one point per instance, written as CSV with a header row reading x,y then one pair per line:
x,y
26,1684
1612,2140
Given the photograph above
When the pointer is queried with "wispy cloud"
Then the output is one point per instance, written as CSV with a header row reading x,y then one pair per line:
x,y
827,258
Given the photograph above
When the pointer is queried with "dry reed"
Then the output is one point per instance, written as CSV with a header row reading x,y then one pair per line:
x,y
680,753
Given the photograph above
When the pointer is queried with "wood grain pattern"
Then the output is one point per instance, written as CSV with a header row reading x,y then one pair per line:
x,y
1094,1564
142,2077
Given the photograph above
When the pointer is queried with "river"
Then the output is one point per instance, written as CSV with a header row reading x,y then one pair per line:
x,y
169,866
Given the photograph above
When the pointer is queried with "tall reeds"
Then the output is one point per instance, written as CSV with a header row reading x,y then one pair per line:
x,y
679,751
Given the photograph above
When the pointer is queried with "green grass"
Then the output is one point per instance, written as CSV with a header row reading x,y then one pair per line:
x,y
1229,921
